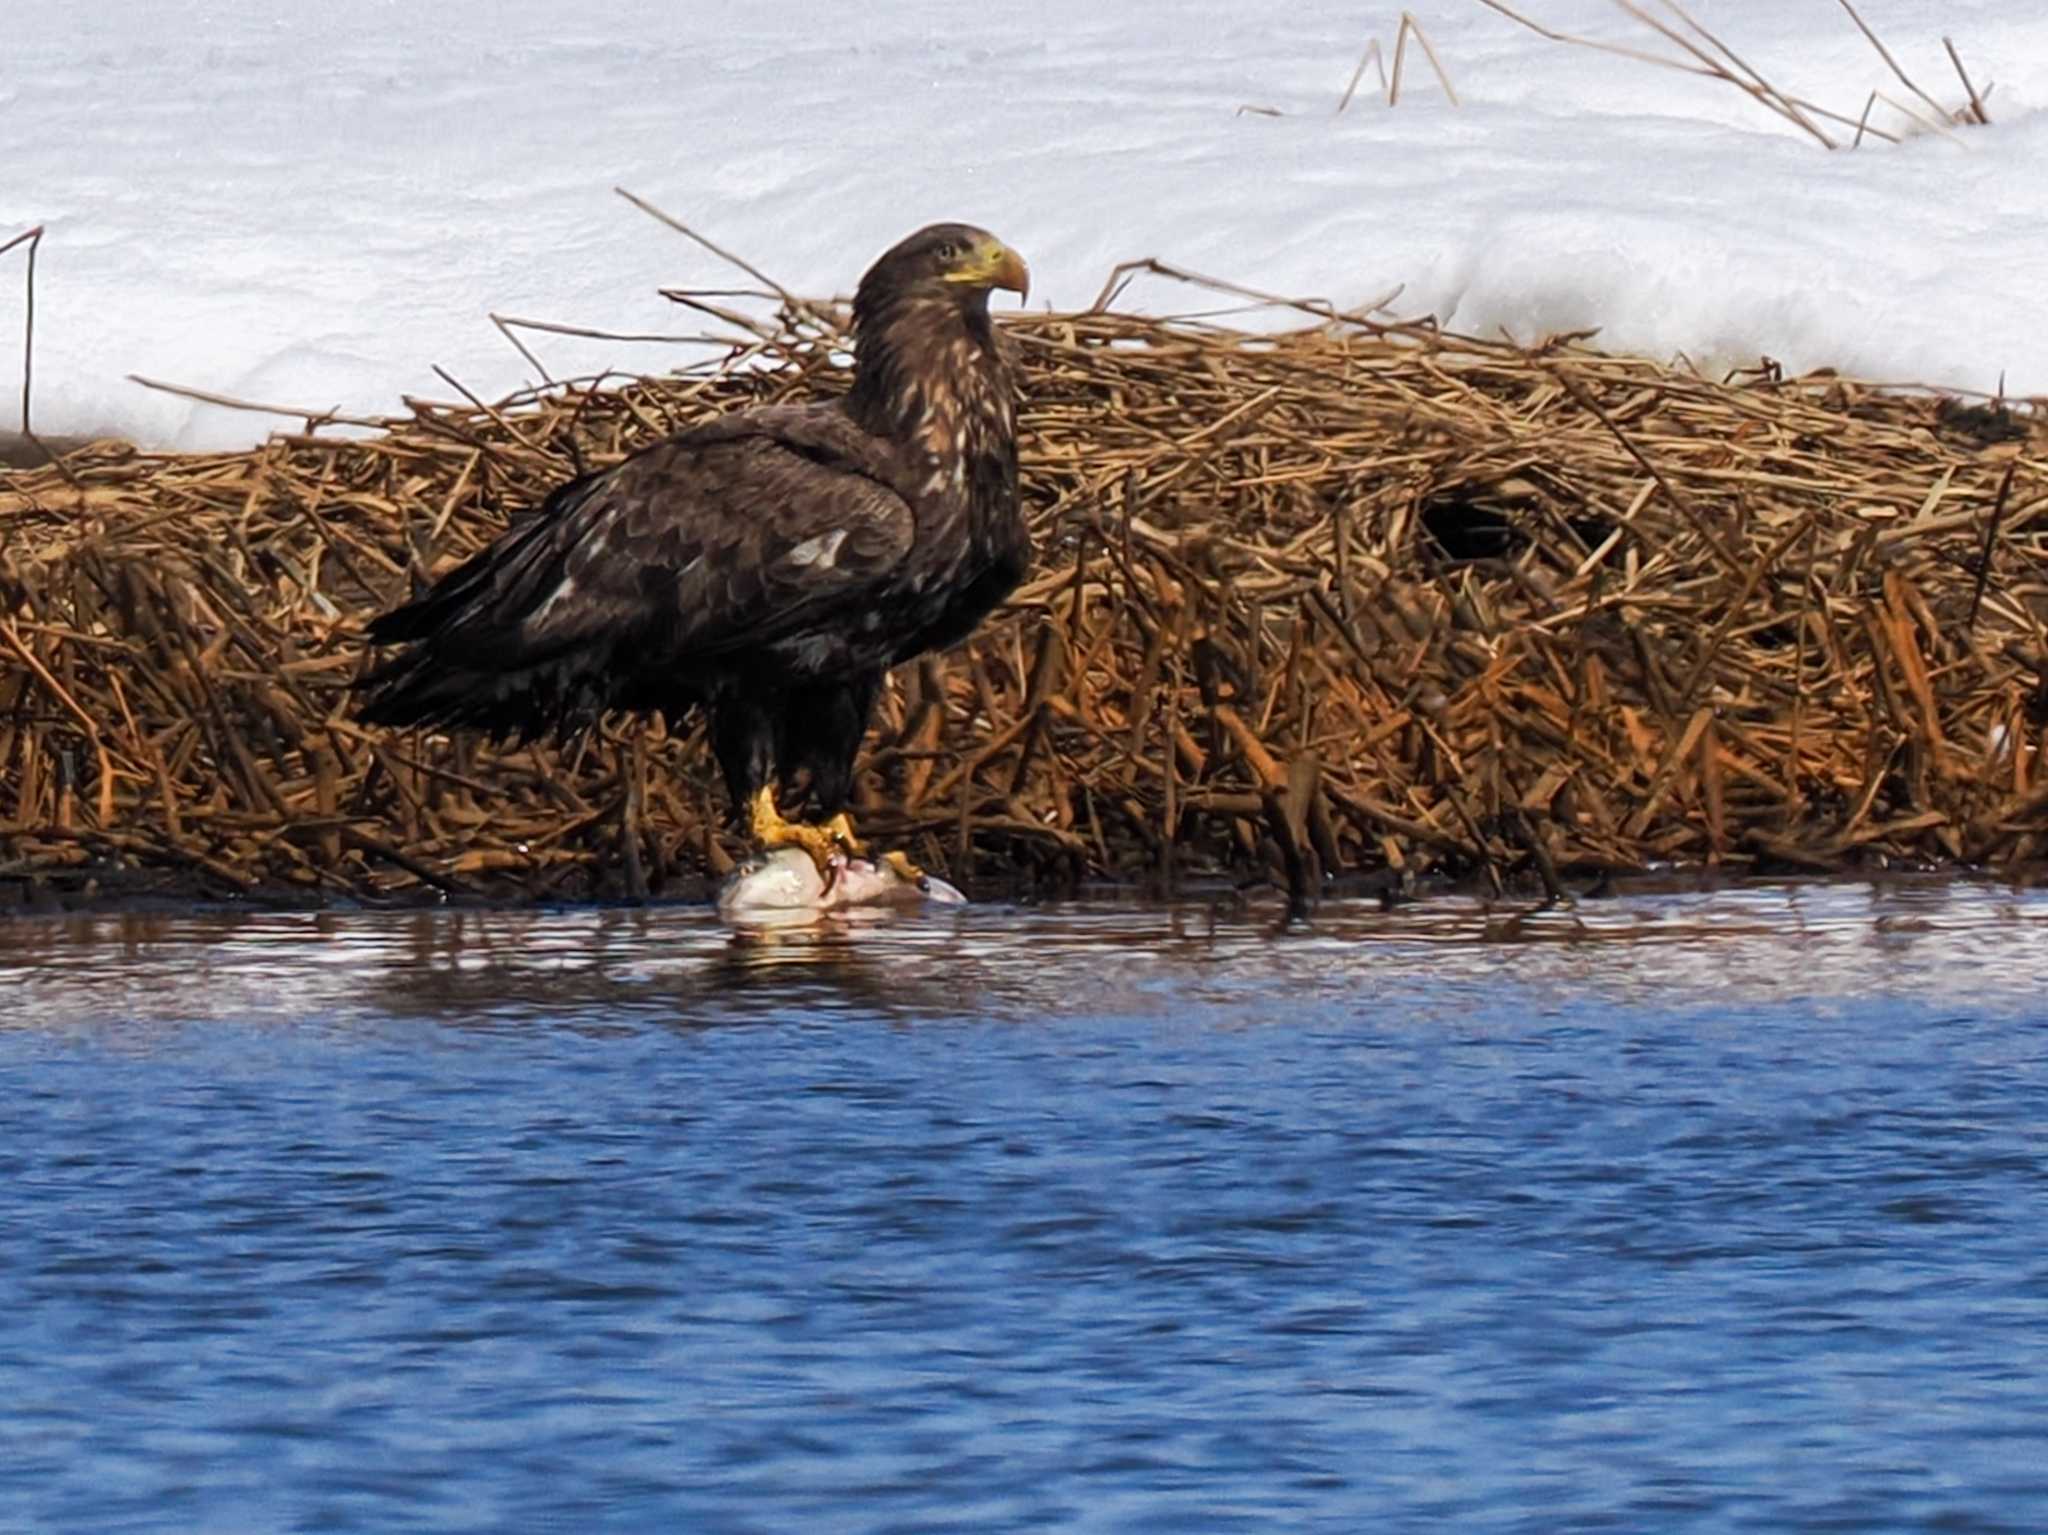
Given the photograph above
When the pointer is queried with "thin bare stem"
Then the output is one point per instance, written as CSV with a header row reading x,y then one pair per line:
x,y
1618,49
505,328
1886,54
1410,24
510,325
760,329
1931,124
1370,56
1990,546
788,299
32,238
1714,59
1757,87
1770,91
496,416
1977,111
1120,277
314,419
1845,121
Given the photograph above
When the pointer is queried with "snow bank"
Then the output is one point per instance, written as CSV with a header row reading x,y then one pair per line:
x,y
315,206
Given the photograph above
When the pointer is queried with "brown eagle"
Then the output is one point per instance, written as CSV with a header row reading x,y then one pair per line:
x,y
767,566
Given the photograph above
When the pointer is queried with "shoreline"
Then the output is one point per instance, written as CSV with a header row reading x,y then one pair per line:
x,y
30,898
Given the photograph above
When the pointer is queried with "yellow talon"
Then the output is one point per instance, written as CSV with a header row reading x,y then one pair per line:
x,y
824,842
767,827
900,864
840,829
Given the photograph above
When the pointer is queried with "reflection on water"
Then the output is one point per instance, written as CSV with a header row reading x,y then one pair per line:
x,y
1689,1210
1831,942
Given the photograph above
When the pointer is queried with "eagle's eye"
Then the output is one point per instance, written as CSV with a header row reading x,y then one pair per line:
x,y
949,252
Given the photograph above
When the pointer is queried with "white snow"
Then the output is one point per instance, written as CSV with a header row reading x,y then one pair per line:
x,y
313,205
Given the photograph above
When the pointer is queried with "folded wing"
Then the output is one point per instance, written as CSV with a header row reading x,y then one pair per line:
x,y
775,531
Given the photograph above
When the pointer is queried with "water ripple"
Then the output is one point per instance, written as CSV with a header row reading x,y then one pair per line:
x,y
1711,1210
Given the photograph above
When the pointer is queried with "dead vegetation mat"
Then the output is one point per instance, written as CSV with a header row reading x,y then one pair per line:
x,y
1347,599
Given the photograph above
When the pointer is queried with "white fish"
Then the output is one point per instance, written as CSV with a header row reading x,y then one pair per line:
x,y
784,886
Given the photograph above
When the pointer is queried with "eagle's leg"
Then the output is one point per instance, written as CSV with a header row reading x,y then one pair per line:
x,y
767,827
822,729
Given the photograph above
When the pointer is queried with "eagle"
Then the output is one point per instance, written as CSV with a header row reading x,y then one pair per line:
x,y
766,567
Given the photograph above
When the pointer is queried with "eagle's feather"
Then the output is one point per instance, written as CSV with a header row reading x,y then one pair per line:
x,y
767,565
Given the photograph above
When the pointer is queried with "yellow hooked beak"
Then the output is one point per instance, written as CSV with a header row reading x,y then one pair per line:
x,y
994,265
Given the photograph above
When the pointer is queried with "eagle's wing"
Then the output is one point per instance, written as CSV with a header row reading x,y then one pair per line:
x,y
747,531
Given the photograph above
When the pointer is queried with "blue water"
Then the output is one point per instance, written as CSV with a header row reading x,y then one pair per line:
x,y
1689,1212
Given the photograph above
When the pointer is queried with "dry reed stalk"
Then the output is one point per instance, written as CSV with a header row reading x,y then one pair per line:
x,y
1372,57
1705,54
1350,598
32,238
1411,27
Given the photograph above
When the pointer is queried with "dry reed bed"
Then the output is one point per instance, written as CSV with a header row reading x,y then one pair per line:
x,y
1346,599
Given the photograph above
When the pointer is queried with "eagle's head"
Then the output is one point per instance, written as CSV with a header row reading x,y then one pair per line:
x,y
955,261
929,368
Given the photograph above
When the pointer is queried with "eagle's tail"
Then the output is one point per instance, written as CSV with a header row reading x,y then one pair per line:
x,y
558,696
465,662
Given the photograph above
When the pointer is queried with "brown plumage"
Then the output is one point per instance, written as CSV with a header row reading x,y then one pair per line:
x,y
767,566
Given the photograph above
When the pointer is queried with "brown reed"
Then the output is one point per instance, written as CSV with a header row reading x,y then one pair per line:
x,y
1350,598
1702,52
